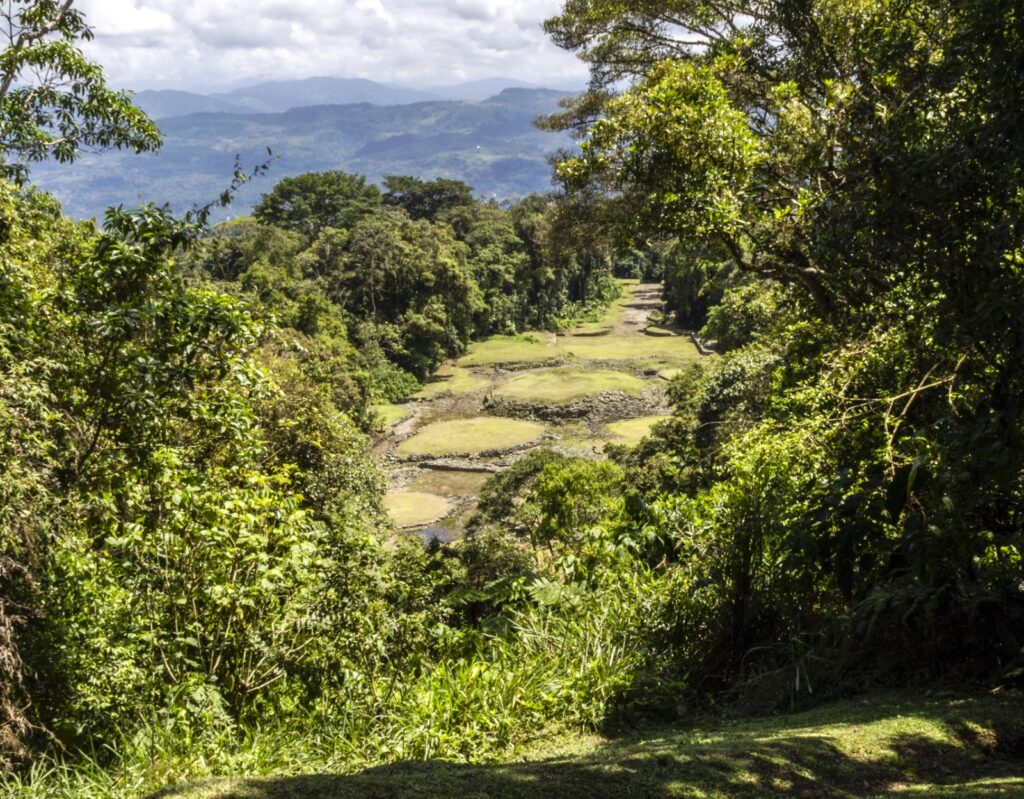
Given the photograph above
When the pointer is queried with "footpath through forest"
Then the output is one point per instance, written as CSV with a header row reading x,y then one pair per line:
x,y
602,382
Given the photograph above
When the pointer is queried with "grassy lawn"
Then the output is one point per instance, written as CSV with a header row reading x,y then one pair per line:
x,y
613,315
453,380
557,386
470,437
882,746
390,415
633,431
672,350
414,508
450,483
525,348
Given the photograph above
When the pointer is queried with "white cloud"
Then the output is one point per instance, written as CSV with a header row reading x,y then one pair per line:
x,y
203,44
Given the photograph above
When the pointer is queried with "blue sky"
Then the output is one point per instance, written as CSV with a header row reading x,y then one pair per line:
x,y
203,45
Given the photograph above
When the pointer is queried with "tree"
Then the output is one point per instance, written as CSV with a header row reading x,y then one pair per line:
x,y
54,102
426,199
315,201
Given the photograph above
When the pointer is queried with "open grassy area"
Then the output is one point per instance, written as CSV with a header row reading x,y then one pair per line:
x,y
672,350
632,431
470,437
525,348
557,386
414,508
614,313
450,483
390,415
452,380
888,746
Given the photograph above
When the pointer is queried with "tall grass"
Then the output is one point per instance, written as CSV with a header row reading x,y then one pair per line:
x,y
559,667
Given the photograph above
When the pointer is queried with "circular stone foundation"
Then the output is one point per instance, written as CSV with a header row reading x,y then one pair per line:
x,y
470,437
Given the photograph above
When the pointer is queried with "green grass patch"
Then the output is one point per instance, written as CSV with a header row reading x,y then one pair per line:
x,y
875,747
676,350
614,313
450,483
559,386
525,348
670,374
390,415
453,380
633,431
413,508
470,437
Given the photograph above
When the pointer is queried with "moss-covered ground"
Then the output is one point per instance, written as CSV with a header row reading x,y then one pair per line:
x,y
452,380
390,415
414,508
470,437
632,431
941,747
510,350
675,350
450,483
560,386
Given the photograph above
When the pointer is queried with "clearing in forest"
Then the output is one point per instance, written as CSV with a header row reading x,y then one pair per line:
x,y
574,392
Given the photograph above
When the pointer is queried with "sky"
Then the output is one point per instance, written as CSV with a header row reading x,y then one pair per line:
x,y
206,45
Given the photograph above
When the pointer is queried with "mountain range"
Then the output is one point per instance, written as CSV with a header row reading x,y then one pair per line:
x,y
276,97
492,144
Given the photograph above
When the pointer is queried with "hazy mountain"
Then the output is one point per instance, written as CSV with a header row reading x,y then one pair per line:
x,y
279,96
169,103
477,90
492,145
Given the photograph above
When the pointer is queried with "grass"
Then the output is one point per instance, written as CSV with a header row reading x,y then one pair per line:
x,y
414,508
390,415
633,431
470,437
881,746
559,386
450,483
669,374
613,315
499,350
453,380
672,350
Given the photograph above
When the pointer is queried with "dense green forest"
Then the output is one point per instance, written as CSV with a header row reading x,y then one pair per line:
x,y
198,576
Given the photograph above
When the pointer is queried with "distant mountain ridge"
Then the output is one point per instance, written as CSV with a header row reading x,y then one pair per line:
x,y
493,145
270,97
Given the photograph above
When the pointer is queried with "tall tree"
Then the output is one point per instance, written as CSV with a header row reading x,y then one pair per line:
x,y
316,201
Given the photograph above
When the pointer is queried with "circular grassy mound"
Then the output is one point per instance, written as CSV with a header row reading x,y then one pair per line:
x,y
412,509
632,431
561,386
470,437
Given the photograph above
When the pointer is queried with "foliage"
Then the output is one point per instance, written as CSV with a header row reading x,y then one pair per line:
x,y
312,203
55,102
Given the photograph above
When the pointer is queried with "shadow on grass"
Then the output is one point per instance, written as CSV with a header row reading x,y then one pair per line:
x,y
974,752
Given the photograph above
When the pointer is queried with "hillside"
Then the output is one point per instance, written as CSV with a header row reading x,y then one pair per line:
x,y
881,746
492,145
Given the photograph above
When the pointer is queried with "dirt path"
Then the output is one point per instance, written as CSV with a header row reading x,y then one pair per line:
x,y
646,300
599,382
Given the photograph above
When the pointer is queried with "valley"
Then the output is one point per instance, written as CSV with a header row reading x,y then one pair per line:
x,y
600,383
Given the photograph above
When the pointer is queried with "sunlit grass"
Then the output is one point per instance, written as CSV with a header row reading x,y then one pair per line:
x,y
470,437
414,508
526,348
632,431
450,483
558,386
453,380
